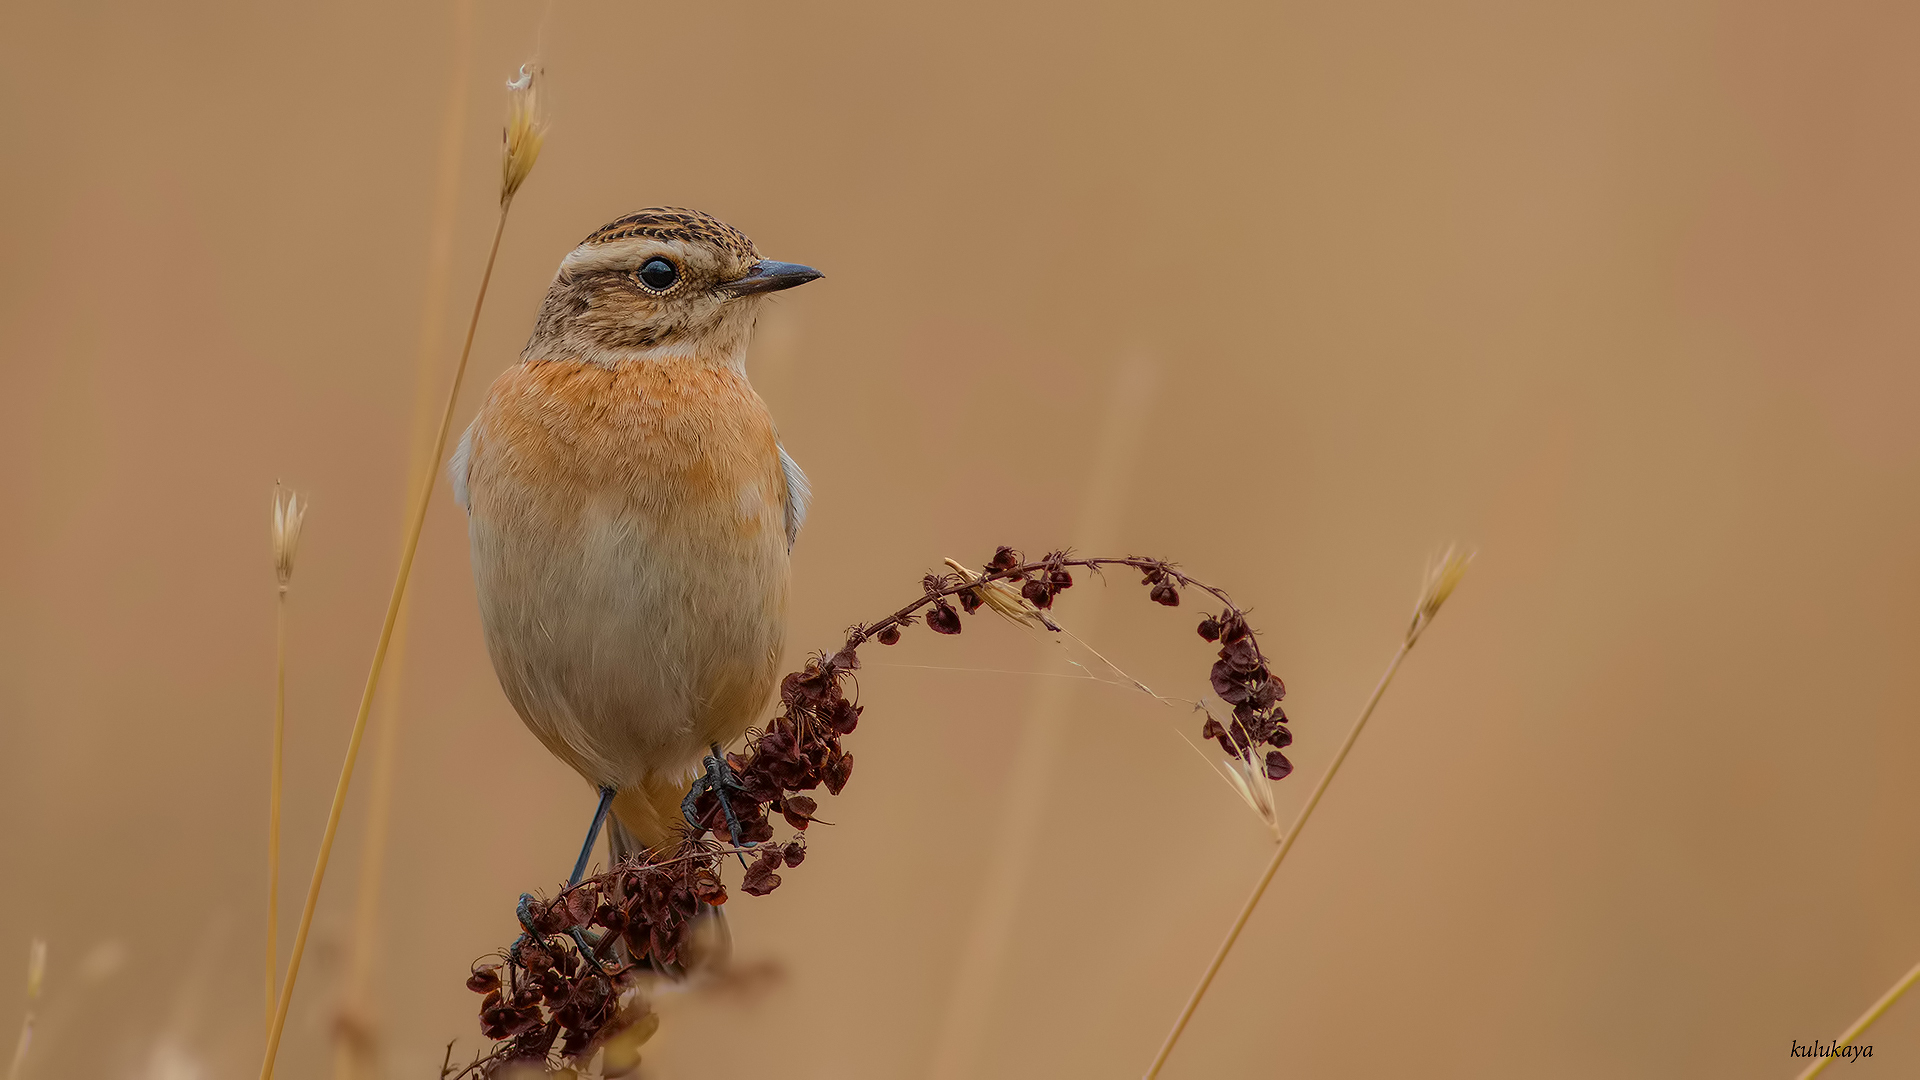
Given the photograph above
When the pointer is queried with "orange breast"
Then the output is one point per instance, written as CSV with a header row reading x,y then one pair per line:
x,y
686,441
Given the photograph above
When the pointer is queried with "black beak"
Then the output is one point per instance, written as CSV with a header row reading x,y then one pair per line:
x,y
769,276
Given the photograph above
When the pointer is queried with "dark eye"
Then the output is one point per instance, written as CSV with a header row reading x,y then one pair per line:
x,y
658,274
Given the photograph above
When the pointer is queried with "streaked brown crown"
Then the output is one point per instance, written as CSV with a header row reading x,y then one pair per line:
x,y
677,223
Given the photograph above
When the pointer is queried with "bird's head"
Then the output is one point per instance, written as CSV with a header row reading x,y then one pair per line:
x,y
660,283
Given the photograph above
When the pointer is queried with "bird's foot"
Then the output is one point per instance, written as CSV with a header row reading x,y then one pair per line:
x,y
587,952
721,781
523,911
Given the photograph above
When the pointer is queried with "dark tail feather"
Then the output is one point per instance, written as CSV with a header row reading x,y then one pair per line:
x,y
622,845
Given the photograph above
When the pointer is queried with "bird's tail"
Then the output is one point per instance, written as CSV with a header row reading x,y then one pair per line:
x,y
646,820
622,845
646,817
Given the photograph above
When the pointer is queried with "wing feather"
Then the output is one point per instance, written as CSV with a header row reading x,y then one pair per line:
x,y
457,469
799,494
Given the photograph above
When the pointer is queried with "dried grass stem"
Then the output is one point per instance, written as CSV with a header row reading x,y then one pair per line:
x,y
1273,865
1442,579
274,780
422,498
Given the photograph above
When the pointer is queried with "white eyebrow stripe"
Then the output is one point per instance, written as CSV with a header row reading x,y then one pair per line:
x,y
622,254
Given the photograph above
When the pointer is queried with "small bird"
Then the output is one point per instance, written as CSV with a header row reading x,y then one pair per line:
x,y
631,514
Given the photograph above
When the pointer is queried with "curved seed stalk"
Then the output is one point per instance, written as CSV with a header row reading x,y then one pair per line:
x,y
1441,581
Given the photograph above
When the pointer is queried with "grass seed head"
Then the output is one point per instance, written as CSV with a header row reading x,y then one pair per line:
x,y
1442,578
526,130
1251,784
1005,601
289,511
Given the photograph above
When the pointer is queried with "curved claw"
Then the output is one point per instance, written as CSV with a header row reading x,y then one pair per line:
x,y
586,951
721,781
688,804
523,911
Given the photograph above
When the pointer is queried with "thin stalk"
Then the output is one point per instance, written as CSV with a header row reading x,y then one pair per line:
x,y
273,799
1846,1039
1279,855
422,497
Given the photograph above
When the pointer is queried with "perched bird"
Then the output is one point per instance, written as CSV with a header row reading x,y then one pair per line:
x,y
631,512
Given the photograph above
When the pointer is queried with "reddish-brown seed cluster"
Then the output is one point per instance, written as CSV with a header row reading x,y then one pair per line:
x,y
798,751
557,990
562,990
1242,680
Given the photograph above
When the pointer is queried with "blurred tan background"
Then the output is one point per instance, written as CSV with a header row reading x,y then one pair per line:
x,y
1621,294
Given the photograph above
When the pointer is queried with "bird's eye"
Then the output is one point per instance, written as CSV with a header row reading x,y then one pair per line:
x,y
658,274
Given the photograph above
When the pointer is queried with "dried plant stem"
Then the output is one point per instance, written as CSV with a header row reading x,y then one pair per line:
x,y
355,1034
1279,856
422,498
273,798
1846,1039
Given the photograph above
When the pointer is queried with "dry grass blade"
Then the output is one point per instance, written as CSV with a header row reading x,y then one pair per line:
x,y
1866,1020
1441,580
520,158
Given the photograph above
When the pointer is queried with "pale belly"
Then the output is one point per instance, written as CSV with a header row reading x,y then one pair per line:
x,y
628,643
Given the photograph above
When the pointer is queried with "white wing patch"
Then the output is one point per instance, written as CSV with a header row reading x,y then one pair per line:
x,y
799,494
457,469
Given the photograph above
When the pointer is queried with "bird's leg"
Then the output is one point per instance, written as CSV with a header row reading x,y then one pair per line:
x,y
580,871
721,780
593,833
